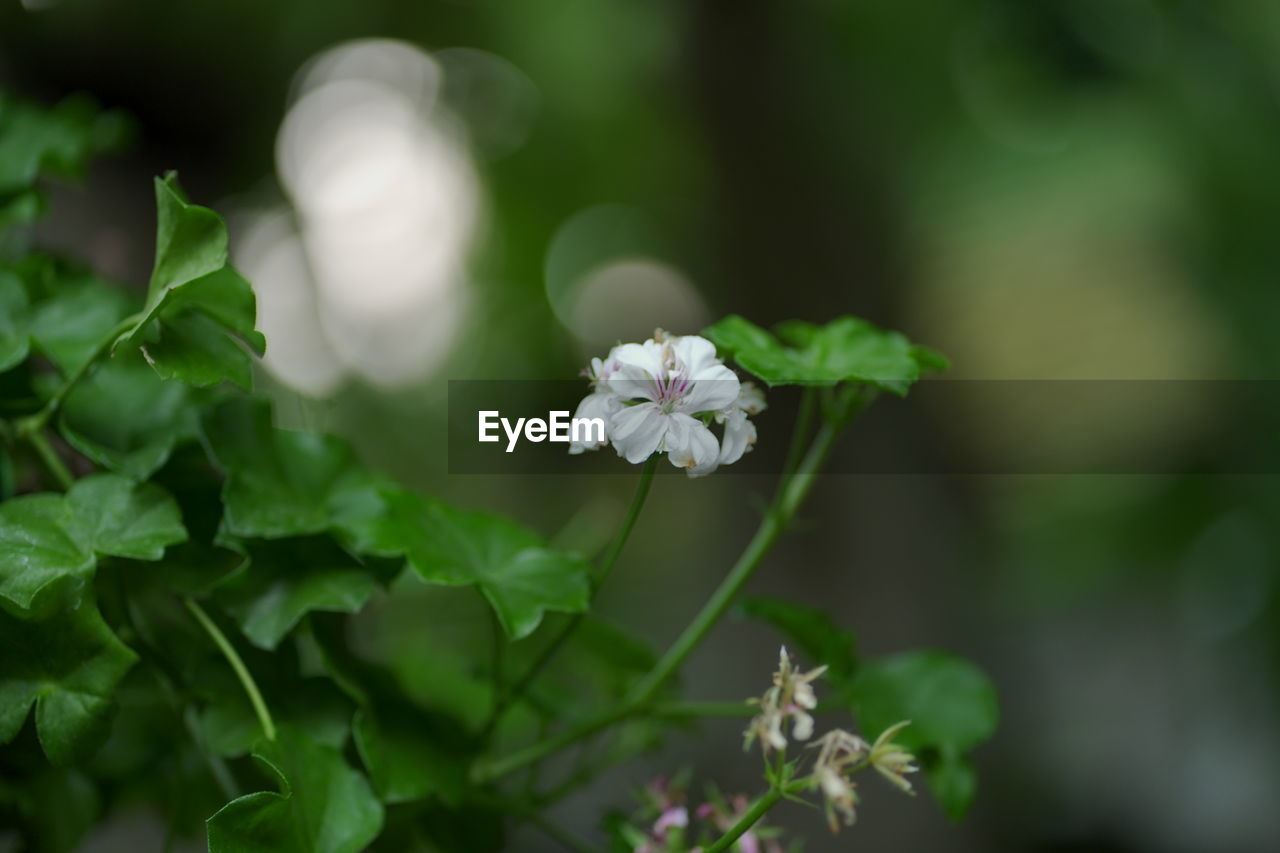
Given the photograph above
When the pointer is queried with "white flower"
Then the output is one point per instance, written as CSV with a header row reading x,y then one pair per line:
x,y
660,396
838,754
790,697
601,403
739,432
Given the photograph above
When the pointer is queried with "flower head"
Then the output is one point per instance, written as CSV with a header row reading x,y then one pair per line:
x,y
660,396
789,699
838,753
892,760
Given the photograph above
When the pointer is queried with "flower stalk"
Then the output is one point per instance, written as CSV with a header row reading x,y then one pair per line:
x,y
237,665
597,580
791,494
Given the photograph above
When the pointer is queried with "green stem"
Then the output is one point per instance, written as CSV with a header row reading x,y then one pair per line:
x,y
538,751
606,566
749,819
624,532
804,420
241,671
36,422
790,496
50,459
171,686
681,710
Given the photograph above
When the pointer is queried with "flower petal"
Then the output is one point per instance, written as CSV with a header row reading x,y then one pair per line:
x,y
739,436
692,446
713,388
695,354
636,431
638,367
601,405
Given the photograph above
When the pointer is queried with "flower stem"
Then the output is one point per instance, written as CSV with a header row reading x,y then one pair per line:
x,y
749,819
237,665
36,422
684,710
606,566
790,496
50,459
800,433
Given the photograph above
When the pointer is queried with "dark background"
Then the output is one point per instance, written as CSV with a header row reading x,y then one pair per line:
x,y
1066,189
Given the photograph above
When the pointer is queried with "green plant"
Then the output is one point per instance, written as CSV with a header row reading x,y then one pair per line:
x,y
176,574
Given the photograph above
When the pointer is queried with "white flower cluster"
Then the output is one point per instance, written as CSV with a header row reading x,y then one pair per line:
x,y
791,698
840,753
661,396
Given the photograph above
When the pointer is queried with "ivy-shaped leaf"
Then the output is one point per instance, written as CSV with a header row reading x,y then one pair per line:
x,y
279,482
68,666
62,312
38,547
283,580
49,538
847,349
323,806
126,418
115,516
72,312
952,708
514,569
198,306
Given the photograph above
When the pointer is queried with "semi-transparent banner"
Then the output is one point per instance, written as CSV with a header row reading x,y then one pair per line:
x,y
943,427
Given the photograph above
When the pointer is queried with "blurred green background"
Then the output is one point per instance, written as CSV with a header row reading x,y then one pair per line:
x,y
1062,189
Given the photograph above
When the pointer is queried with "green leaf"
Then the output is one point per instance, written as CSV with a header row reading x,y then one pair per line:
x,y
126,418
120,518
79,310
199,309
38,547
950,702
14,337
323,805
313,706
279,482
955,783
814,634
409,756
193,348
847,349
49,538
516,572
35,140
67,665
283,580
20,207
